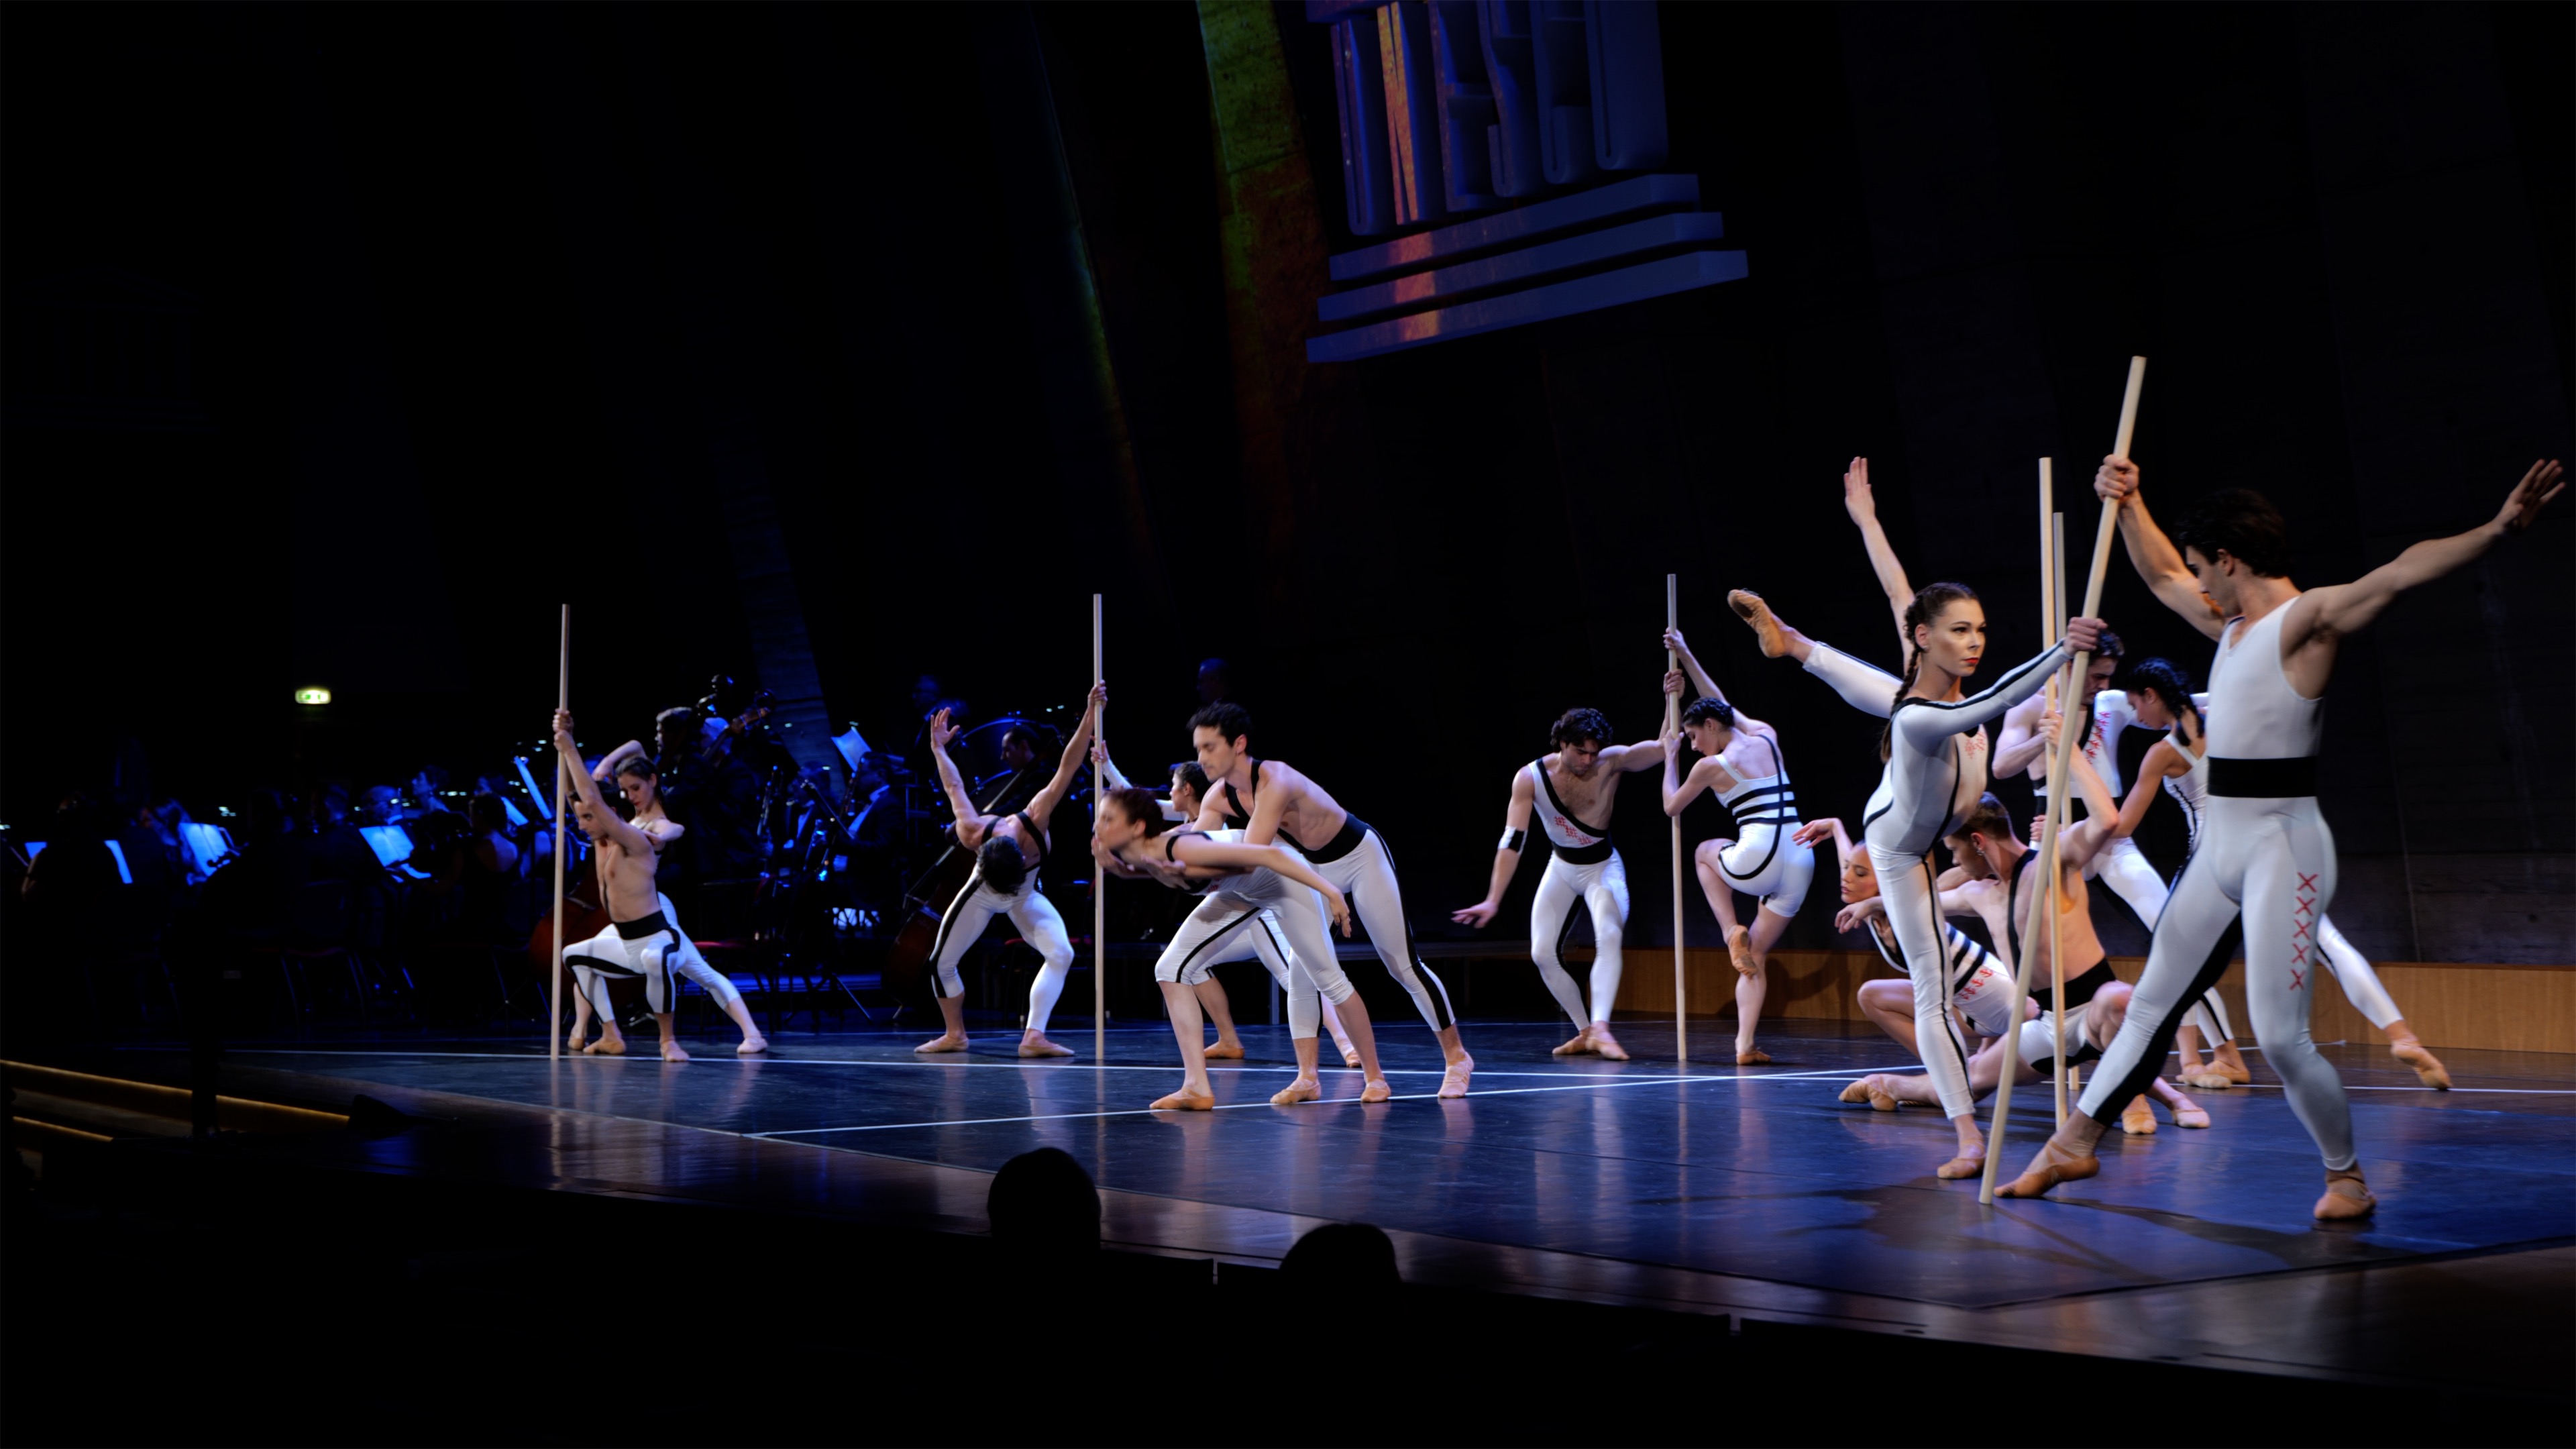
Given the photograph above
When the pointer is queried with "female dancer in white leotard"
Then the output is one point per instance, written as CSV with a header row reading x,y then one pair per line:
x,y
2180,762
1934,777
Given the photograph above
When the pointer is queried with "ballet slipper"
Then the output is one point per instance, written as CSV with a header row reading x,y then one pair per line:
x,y
1963,1165
1376,1091
1753,1057
671,1052
752,1046
2138,1119
1748,606
2233,1071
1034,1045
1185,1100
574,1042
2428,1067
1304,1089
2347,1197
1453,1082
2208,1079
2052,1166
1858,1091
1581,1046
946,1041
604,1047
2189,1115
1606,1046
1881,1099
1739,951
1219,1053
1351,1058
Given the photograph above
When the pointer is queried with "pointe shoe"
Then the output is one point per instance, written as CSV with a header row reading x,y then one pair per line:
x,y
1606,1046
1580,1046
1753,1057
2138,1119
1377,1091
752,1046
2347,1197
1748,605
1219,1053
1304,1089
2209,1079
1739,952
1453,1082
1961,1166
1038,1046
1185,1100
2428,1067
2047,1170
947,1041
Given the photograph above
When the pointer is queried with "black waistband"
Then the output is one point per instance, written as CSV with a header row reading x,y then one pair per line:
x,y
2079,989
1334,849
1593,854
2263,779
638,930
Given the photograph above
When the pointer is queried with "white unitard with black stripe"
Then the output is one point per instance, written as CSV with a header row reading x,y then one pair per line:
x,y
1582,866
1936,770
1239,912
1764,862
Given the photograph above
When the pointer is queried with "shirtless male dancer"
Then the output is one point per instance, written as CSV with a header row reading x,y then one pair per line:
x,y
641,940
1740,764
1008,851
1264,940
1580,779
1269,801
2179,762
1240,882
1935,748
2267,861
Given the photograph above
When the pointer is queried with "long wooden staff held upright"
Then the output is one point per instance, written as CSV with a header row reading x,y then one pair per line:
x,y
563,700
2052,605
1099,881
2057,772
1673,724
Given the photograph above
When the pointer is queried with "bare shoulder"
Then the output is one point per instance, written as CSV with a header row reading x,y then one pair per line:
x,y
1279,775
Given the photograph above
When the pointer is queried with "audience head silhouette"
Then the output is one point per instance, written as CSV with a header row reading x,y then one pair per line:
x,y
1043,1201
1342,1261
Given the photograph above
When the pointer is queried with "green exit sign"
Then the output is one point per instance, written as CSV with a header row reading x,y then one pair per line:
x,y
312,696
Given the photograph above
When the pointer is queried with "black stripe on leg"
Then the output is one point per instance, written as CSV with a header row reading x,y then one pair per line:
x,y
2150,1065
1442,1017
948,923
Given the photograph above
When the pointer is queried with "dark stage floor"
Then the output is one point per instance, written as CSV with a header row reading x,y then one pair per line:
x,y
1724,1189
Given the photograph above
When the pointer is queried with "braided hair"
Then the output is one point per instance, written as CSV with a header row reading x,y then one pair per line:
x,y
2172,688
1927,606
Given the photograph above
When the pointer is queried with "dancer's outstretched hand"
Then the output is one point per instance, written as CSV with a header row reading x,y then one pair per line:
x,y
941,731
1855,917
1480,915
2544,482
1814,832
1857,499
2116,479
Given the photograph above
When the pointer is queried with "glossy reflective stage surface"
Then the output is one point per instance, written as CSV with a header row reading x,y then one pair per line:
x,y
1706,1186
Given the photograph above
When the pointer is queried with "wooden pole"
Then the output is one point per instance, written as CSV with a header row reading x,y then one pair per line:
x,y
2057,772
1673,722
1099,878
563,700
2056,880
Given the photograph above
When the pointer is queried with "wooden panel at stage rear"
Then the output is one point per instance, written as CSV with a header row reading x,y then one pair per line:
x,y
2503,1008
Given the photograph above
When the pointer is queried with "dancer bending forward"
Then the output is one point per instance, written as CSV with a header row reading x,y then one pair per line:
x,y
1935,748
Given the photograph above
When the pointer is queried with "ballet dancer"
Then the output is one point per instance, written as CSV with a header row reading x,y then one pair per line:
x,y
1267,801
1935,748
642,939
1240,882
2266,868
2178,762
1008,851
1580,779
1740,764
1979,984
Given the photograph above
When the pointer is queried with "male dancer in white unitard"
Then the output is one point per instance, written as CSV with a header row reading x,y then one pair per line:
x,y
643,940
2266,867
1008,851
1935,748
2179,762
1277,802
1740,763
1240,882
1580,782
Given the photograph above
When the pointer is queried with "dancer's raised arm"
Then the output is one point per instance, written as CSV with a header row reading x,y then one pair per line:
x,y
1925,723
2151,553
1042,805
1862,505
